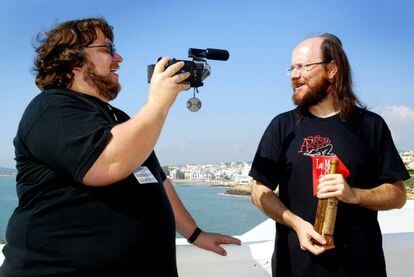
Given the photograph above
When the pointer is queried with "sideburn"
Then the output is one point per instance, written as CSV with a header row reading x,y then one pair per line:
x,y
105,86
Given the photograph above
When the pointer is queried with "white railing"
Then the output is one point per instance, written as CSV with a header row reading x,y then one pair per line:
x,y
253,257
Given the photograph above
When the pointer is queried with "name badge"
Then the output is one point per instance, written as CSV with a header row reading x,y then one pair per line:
x,y
144,175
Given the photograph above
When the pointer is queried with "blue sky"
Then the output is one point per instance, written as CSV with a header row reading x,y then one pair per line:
x,y
243,94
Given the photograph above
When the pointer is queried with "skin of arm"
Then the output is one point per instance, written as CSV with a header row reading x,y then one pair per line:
x,y
186,225
269,203
133,140
383,197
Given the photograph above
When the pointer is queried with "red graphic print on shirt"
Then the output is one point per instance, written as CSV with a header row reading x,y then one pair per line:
x,y
320,149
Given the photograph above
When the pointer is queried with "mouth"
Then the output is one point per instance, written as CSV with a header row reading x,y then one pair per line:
x,y
114,69
297,86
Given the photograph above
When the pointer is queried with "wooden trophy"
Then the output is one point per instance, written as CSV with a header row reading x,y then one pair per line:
x,y
326,212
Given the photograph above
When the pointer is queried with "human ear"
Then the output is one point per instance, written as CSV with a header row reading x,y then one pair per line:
x,y
77,70
332,70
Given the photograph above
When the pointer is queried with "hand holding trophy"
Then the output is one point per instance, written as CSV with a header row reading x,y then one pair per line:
x,y
326,212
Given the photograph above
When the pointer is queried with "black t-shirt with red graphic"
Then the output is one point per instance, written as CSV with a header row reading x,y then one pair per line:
x,y
294,155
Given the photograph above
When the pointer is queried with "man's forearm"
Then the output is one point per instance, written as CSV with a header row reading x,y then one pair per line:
x,y
269,203
184,222
130,145
384,197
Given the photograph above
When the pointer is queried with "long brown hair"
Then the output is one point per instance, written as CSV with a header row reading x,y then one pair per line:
x,y
62,48
344,98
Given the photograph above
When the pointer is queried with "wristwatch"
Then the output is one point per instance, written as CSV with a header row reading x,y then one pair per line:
x,y
194,236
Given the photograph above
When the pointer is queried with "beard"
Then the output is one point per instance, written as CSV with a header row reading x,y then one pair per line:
x,y
313,96
106,86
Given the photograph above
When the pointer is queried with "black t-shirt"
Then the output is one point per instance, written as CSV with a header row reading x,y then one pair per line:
x,y
293,156
62,227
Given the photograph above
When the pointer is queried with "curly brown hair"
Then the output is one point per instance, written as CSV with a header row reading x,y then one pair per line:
x,y
62,48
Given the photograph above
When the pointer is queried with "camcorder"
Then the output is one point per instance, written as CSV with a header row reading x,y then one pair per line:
x,y
198,68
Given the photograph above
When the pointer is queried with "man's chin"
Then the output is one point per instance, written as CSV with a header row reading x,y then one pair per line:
x,y
298,98
110,93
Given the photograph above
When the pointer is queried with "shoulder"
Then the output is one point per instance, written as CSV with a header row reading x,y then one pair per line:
x,y
371,127
56,103
370,115
58,97
284,118
368,119
62,102
281,126
284,121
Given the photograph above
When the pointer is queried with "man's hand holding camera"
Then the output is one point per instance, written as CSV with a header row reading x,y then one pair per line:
x,y
166,84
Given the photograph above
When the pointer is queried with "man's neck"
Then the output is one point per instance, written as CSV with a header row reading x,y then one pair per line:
x,y
83,87
324,109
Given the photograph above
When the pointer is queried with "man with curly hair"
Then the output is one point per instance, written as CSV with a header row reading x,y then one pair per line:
x,y
93,199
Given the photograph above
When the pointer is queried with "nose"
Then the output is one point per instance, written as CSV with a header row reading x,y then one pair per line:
x,y
295,73
117,58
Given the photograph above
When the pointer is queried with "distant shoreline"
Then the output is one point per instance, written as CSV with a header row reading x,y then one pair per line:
x,y
233,187
237,189
206,182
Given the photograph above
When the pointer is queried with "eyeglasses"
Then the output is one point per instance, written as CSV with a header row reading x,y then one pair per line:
x,y
302,67
110,46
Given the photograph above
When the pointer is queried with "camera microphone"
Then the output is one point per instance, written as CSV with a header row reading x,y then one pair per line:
x,y
217,54
209,53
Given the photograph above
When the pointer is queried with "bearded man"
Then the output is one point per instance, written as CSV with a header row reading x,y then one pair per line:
x,y
93,199
329,122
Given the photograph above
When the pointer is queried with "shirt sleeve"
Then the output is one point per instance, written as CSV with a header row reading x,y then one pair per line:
x,y
161,171
69,137
390,167
267,167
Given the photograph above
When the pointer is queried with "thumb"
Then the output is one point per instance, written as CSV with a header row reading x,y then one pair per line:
x,y
317,237
161,64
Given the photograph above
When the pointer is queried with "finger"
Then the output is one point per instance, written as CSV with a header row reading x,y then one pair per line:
x,y
181,87
331,182
228,240
328,188
219,250
312,247
317,237
181,77
174,68
161,64
332,194
328,177
329,247
317,250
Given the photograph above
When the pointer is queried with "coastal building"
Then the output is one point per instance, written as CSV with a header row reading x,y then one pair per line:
x,y
410,165
235,172
243,178
407,156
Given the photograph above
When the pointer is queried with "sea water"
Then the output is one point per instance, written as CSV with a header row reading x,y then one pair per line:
x,y
213,210
8,201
